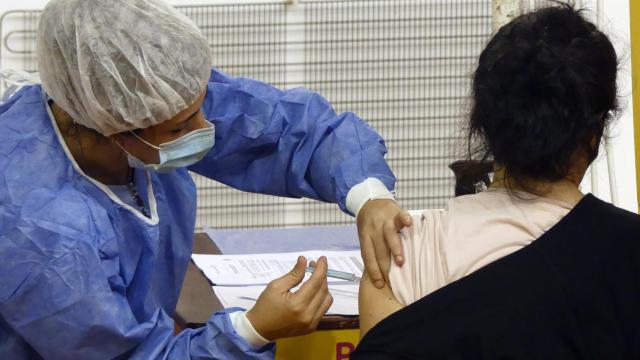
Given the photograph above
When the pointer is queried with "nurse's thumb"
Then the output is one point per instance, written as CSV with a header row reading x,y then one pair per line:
x,y
293,278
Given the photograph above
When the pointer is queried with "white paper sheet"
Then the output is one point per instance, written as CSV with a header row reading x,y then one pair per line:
x,y
260,269
345,297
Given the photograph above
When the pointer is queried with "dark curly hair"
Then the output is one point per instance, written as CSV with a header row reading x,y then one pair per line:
x,y
545,87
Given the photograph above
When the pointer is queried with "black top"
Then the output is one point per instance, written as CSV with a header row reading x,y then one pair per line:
x,y
572,294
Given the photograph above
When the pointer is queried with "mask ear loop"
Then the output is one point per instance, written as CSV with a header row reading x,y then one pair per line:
x,y
127,153
209,126
144,141
120,146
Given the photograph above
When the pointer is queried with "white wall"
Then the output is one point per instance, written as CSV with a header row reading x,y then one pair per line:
x,y
615,23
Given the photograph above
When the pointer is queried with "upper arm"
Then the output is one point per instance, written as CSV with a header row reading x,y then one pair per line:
x,y
425,267
375,304
424,271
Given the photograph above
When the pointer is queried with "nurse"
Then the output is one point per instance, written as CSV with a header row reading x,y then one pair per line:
x,y
97,207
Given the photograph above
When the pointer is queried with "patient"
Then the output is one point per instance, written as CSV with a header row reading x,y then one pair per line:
x,y
543,94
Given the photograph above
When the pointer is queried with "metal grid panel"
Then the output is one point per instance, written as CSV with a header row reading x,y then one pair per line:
x,y
403,65
250,41
18,35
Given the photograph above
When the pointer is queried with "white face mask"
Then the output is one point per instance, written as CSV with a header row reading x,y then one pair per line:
x,y
181,152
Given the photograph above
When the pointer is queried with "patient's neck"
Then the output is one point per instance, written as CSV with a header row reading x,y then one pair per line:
x,y
566,190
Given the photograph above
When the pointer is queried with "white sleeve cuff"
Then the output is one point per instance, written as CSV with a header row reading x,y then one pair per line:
x,y
243,327
370,189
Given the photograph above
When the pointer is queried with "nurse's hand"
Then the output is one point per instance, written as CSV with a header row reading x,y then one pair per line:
x,y
281,313
379,224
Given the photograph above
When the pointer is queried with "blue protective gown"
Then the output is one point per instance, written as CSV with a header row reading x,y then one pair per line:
x,y
85,276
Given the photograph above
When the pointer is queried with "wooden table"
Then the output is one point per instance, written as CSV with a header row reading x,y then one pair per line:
x,y
198,301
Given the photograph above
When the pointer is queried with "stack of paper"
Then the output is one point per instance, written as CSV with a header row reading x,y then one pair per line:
x,y
239,279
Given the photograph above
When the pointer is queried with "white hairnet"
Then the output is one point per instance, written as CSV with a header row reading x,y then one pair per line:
x,y
118,65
